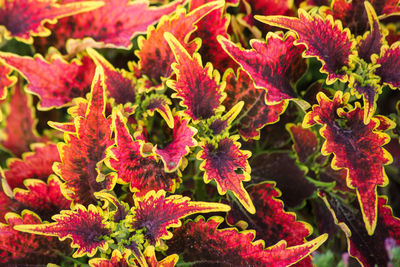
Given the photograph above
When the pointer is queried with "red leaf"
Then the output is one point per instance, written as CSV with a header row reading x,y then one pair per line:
x,y
112,25
37,164
17,248
223,161
371,42
286,172
356,146
255,113
159,103
117,259
173,153
45,199
56,82
152,261
271,222
305,141
155,213
201,241
198,87
368,250
389,69
5,80
353,14
270,64
213,24
82,153
142,173
85,227
323,38
23,19
20,130
120,84
155,57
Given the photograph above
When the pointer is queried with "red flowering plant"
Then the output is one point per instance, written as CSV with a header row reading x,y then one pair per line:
x,y
199,133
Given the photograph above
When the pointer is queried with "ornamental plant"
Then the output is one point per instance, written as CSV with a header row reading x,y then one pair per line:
x,y
199,133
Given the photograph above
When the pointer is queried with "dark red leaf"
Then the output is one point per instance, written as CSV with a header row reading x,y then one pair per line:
x,y
305,141
356,146
255,113
270,64
323,38
201,243
368,250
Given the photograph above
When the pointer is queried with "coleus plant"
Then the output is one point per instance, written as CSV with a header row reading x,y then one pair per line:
x,y
199,133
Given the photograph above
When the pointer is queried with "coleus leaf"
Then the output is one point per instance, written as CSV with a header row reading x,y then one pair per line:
x,y
56,82
36,164
24,19
5,80
363,81
112,25
270,64
120,84
356,146
201,242
81,153
85,226
323,38
117,259
372,40
142,173
368,250
255,112
265,8
305,141
159,103
353,15
169,261
224,162
286,172
213,24
154,54
183,139
20,130
18,248
44,198
271,222
198,87
220,125
155,213
389,65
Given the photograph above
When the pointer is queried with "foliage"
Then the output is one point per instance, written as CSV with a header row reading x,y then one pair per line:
x,y
199,133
